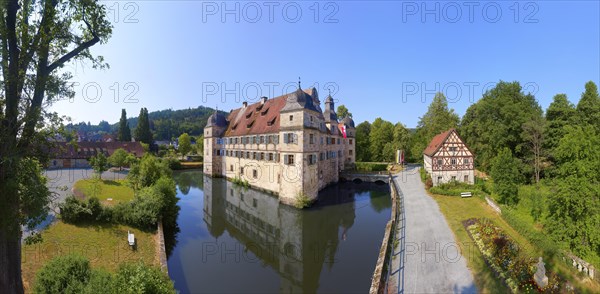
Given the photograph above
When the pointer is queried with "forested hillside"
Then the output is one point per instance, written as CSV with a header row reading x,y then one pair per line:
x,y
165,124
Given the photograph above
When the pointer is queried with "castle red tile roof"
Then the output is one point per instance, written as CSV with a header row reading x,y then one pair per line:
x,y
257,118
437,142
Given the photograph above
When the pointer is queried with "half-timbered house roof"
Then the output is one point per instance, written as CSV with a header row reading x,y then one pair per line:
x,y
437,142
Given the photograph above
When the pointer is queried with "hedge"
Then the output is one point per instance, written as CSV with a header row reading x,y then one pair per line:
x,y
371,166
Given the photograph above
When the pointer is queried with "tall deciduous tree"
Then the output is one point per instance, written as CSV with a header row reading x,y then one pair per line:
x,y
124,133
37,39
437,119
382,132
588,107
400,141
559,114
506,176
99,164
574,209
185,144
119,158
343,112
142,131
533,135
496,121
363,133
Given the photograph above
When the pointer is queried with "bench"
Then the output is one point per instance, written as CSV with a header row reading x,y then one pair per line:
x,y
466,194
130,238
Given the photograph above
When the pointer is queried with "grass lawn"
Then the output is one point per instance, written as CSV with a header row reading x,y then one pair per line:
x,y
457,209
104,244
117,190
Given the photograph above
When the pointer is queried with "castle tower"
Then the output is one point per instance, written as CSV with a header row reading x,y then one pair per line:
x,y
213,143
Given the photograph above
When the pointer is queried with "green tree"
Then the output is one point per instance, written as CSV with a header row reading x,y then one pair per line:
x,y
99,164
63,274
533,135
200,145
381,133
148,171
124,133
119,158
400,141
142,131
342,112
496,121
185,144
574,209
506,176
363,133
559,114
588,107
438,118
37,40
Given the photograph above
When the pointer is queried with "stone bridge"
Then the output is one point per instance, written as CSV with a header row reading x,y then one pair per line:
x,y
382,177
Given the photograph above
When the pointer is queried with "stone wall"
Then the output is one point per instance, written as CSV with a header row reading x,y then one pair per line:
x,y
379,279
162,253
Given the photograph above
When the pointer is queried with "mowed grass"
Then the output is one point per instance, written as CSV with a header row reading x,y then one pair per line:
x,y
105,189
456,210
105,245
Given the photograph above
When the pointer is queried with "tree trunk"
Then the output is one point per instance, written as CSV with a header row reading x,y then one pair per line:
x,y
10,263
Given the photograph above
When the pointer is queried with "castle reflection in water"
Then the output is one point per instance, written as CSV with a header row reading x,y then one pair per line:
x,y
252,233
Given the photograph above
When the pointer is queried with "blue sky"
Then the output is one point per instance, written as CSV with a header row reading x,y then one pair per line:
x,y
381,58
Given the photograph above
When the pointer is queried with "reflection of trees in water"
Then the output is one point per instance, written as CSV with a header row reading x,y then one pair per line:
x,y
170,230
188,179
380,200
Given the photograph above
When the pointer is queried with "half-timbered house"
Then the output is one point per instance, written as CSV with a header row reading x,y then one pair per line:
x,y
447,158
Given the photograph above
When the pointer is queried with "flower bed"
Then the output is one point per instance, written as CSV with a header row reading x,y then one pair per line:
x,y
506,259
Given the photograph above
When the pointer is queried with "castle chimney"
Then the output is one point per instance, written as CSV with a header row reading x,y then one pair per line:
x,y
245,103
263,99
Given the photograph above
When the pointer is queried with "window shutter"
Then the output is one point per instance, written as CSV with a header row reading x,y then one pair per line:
x,y
295,138
285,159
285,138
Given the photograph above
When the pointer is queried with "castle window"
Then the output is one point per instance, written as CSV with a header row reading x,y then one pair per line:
x,y
241,171
312,159
338,141
231,167
350,141
253,140
350,152
288,159
254,155
291,117
262,139
270,156
276,139
254,173
262,156
248,154
321,140
322,156
311,137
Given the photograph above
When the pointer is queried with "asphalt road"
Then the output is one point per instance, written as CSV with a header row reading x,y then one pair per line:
x,y
433,262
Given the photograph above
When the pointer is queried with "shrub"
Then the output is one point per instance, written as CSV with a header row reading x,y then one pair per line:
x,y
143,212
302,200
63,274
454,189
240,182
74,210
140,278
73,274
173,163
371,166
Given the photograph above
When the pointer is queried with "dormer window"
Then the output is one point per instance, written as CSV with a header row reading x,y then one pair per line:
x,y
234,127
249,115
271,122
250,124
264,112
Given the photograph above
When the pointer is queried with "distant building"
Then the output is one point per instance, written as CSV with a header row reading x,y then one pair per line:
x,y
285,145
65,155
447,158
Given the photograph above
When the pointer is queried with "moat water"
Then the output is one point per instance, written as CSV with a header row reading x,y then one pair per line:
x,y
233,239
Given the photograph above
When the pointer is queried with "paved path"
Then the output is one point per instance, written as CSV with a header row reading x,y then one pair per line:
x,y
432,262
